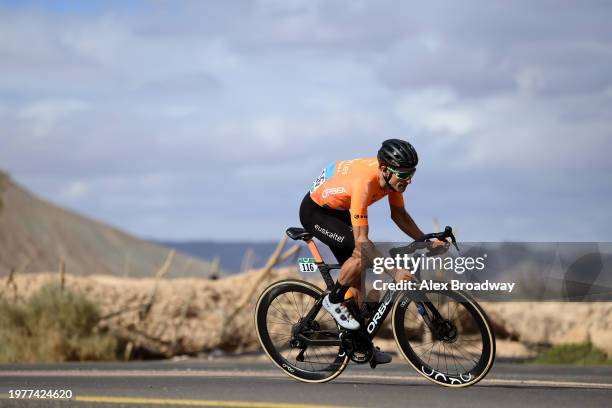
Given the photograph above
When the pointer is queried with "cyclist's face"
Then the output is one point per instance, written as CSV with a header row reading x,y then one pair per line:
x,y
400,183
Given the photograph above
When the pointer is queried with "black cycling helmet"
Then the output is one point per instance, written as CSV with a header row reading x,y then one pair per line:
x,y
398,153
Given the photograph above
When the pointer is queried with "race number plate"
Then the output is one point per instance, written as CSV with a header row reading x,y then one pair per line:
x,y
307,265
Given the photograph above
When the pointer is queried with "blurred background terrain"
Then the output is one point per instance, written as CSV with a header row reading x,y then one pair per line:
x,y
35,235
154,153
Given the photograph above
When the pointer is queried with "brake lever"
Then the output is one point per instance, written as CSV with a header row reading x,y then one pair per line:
x,y
449,232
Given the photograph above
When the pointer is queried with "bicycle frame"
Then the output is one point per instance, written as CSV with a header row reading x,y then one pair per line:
x,y
382,307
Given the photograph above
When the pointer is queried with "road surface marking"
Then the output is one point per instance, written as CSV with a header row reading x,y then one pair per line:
x,y
196,403
279,375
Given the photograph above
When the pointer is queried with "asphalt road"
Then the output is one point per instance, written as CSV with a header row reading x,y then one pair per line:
x,y
257,383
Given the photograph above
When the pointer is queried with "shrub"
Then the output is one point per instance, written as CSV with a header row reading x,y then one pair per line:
x,y
53,325
583,353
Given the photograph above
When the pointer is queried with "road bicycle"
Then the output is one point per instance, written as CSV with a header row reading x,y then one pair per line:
x,y
444,335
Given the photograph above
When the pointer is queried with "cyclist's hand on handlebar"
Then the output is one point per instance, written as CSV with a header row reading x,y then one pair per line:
x,y
438,246
402,275
438,243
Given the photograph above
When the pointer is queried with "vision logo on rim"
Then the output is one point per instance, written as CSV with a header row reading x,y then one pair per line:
x,y
438,376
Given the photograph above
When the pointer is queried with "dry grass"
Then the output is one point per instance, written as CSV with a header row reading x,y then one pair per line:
x,y
52,325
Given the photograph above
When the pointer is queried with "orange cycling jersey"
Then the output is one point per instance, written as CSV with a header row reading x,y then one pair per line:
x,y
352,185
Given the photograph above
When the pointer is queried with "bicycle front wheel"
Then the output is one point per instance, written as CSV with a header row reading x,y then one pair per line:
x,y
445,336
312,354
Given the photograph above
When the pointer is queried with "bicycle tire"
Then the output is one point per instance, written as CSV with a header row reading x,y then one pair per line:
x,y
425,368
265,317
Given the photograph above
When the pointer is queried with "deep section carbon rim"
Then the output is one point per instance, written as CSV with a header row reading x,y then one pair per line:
x,y
279,309
460,349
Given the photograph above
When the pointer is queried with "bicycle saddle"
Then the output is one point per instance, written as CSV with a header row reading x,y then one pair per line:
x,y
299,233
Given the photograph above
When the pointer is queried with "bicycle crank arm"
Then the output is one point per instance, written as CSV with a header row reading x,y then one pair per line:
x,y
312,342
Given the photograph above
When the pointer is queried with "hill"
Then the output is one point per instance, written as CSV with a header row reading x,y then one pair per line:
x,y
36,233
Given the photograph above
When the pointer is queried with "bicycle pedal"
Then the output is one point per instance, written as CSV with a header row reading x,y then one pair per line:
x,y
300,356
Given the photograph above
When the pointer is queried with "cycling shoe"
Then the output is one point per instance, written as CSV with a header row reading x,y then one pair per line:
x,y
379,357
341,314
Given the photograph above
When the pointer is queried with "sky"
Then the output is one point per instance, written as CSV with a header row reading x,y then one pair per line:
x,y
208,120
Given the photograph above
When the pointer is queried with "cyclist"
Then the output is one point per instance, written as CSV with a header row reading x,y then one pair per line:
x,y
335,210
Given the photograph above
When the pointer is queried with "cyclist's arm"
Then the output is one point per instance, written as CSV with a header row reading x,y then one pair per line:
x,y
364,251
404,221
364,248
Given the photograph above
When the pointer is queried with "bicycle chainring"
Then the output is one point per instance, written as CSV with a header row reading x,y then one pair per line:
x,y
358,346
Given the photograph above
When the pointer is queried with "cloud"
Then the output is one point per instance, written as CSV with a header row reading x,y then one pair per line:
x,y
435,110
75,191
42,116
199,119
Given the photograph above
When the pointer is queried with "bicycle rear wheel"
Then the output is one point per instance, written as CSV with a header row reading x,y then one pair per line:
x,y
279,309
456,349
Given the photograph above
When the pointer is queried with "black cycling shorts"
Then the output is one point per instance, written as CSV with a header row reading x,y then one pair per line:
x,y
332,227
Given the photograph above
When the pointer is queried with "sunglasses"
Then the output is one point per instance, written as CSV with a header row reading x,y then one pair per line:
x,y
403,175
